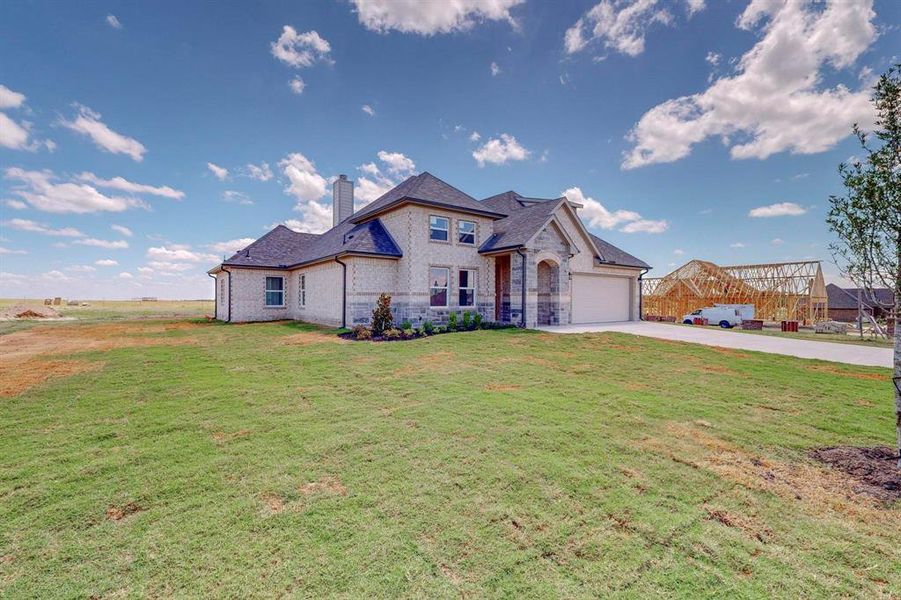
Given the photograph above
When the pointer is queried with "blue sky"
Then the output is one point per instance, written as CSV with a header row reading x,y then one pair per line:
x,y
139,142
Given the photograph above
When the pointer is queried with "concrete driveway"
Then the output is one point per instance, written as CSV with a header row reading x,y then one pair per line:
x,y
843,353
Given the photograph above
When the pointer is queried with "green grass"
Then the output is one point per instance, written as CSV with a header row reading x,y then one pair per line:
x,y
493,463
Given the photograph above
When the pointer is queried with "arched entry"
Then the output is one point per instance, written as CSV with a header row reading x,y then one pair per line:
x,y
548,292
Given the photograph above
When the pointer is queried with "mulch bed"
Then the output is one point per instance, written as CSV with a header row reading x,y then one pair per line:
x,y
874,469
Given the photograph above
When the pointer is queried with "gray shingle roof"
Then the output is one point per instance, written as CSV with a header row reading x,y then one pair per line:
x,y
424,188
610,254
520,226
847,297
283,247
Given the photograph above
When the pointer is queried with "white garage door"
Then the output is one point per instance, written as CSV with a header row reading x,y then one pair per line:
x,y
600,299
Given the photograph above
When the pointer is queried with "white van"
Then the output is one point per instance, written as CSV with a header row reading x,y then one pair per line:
x,y
715,315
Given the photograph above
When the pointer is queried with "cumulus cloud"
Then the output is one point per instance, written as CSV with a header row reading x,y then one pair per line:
x,y
777,241
11,251
221,173
300,49
178,253
621,25
81,269
308,187
122,230
126,275
780,209
108,244
260,172
498,151
776,100
297,85
113,22
599,216
495,69
106,262
122,184
9,98
15,135
88,123
236,197
41,190
475,136
738,245
368,110
377,180
231,246
35,227
430,18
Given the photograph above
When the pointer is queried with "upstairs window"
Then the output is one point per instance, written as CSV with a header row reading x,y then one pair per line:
x,y
467,287
302,292
275,291
439,281
466,232
438,229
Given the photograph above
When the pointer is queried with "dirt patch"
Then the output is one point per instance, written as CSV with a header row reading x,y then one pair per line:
x,y
730,352
875,470
751,527
502,387
274,503
117,513
326,485
29,311
24,355
842,373
308,338
222,437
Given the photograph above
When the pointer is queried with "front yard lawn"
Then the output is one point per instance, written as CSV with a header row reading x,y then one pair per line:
x,y
194,459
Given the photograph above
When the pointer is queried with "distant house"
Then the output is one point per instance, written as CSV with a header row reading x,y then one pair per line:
x,y
843,302
436,250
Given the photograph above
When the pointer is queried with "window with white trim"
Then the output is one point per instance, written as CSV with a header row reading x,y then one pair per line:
x,y
439,286
466,232
275,291
467,287
302,291
438,228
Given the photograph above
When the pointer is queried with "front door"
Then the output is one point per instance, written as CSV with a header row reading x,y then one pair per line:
x,y
502,288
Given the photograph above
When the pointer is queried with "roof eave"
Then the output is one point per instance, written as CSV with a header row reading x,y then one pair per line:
x,y
407,200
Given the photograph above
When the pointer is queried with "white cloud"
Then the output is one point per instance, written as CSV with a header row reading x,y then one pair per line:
x,y
87,122
170,267
10,251
15,135
297,85
498,151
178,253
738,245
113,22
81,269
430,18
598,216
679,251
475,136
368,110
108,244
41,191
221,173
694,6
34,227
620,25
780,209
260,172
106,262
126,275
776,100
122,184
495,69
9,98
713,59
777,241
15,204
231,246
308,187
376,182
300,49
236,197
121,229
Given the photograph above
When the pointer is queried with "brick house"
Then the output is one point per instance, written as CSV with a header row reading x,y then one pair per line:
x,y
436,250
843,303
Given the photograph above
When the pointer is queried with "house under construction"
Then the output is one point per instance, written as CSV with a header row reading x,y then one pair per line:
x,y
792,291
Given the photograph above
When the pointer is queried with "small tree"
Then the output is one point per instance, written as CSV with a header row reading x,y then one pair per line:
x,y
382,319
868,220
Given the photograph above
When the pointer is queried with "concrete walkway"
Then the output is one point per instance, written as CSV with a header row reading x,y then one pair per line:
x,y
843,353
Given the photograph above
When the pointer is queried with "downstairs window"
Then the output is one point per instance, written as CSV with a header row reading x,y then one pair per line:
x,y
275,291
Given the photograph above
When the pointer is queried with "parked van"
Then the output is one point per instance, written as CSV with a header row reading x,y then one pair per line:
x,y
724,317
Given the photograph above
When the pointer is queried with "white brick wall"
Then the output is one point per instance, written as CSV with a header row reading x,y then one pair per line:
x,y
323,293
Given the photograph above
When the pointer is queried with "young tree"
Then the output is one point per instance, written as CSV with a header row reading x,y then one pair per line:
x,y
867,220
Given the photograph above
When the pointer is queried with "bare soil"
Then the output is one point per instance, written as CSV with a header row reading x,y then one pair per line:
x,y
874,471
29,311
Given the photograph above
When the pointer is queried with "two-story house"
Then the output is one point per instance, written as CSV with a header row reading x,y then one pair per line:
x,y
436,250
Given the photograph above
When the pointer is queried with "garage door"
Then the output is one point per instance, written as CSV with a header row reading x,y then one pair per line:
x,y
598,299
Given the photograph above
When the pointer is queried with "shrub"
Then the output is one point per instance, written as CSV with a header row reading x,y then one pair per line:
x,y
428,328
382,319
406,325
409,332
477,320
361,332
392,334
452,322
467,320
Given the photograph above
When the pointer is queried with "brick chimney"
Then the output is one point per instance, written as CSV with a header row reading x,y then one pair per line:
x,y
342,199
